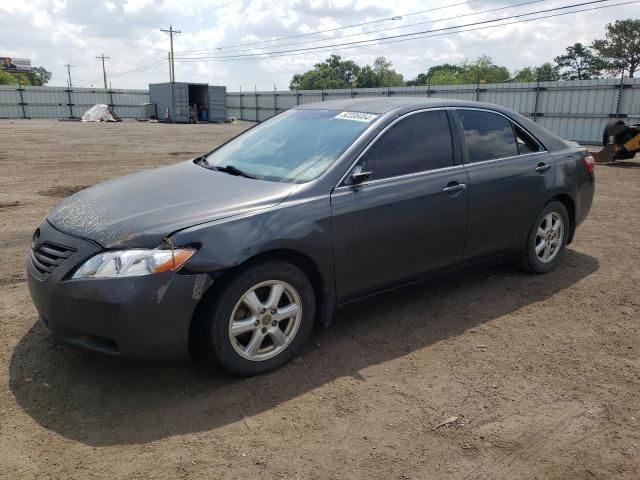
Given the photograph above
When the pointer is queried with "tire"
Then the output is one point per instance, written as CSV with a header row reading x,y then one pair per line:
x,y
532,260
236,352
605,134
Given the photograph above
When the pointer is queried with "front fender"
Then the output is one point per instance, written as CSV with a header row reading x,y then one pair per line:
x,y
303,226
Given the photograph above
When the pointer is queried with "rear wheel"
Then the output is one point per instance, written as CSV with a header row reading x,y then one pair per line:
x,y
260,319
547,239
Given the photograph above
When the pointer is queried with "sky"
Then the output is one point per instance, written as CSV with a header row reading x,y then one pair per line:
x,y
224,42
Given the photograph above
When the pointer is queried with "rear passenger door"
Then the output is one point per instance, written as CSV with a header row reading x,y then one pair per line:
x,y
399,223
510,175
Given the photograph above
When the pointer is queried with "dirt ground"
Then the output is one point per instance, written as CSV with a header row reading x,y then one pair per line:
x,y
542,372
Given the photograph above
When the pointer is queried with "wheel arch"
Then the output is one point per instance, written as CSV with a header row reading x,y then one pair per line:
x,y
324,293
570,205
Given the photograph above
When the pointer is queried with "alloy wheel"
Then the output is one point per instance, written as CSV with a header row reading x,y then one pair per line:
x,y
549,237
265,320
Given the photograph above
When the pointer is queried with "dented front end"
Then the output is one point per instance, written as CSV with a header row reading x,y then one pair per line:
x,y
144,318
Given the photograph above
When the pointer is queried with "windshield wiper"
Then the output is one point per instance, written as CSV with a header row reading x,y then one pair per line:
x,y
233,171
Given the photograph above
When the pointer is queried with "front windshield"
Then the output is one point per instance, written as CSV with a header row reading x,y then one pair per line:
x,y
295,146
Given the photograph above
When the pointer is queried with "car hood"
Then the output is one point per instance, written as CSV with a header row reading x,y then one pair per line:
x,y
139,210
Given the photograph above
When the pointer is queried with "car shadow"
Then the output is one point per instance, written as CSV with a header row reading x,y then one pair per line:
x,y
99,401
620,164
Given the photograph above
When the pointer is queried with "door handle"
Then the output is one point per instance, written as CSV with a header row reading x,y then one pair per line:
x,y
542,167
454,188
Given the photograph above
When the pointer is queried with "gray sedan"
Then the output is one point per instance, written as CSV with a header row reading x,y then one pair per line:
x,y
236,254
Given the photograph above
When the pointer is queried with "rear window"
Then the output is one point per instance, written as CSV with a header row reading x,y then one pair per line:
x,y
488,135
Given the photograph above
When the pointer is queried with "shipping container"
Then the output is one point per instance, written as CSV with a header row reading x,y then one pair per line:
x,y
175,101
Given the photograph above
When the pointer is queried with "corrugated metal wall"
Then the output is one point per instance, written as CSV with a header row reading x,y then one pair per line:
x,y
60,102
576,110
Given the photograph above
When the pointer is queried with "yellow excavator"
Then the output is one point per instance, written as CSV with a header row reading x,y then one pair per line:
x,y
620,142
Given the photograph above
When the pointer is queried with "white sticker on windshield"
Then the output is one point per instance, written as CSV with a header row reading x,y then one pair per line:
x,y
357,116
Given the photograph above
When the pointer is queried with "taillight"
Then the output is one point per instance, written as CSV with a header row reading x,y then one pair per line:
x,y
589,163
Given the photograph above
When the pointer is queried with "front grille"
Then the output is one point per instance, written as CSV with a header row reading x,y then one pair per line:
x,y
48,256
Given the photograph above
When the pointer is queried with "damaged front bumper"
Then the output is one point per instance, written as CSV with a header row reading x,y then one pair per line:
x,y
145,319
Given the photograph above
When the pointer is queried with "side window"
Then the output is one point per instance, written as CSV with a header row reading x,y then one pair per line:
x,y
526,144
417,143
488,135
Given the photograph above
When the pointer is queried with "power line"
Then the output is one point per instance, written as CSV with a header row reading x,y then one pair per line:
x,y
171,32
198,15
391,37
318,32
422,35
140,68
155,61
104,71
409,25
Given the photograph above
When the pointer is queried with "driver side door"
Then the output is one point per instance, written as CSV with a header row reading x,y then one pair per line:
x,y
408,218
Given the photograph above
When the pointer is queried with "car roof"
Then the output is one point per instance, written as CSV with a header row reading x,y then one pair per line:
x,y
385,104
398,105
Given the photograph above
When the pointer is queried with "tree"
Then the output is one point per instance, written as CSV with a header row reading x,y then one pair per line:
x,y
380,74
444,74
421,79
332,73
527,74
39,76
620,49
385,74
544,73
366,78
481,70
7,79
579,63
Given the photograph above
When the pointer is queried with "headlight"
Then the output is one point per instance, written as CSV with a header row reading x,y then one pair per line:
x,y
133,263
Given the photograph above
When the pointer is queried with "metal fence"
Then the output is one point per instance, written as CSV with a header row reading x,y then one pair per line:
x,y
576,110
61,102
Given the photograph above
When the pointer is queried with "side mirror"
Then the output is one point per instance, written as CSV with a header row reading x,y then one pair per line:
x,y
358,176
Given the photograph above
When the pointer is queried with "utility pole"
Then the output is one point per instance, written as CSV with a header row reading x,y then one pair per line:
x,y
171,32
170,69
104,71
68,65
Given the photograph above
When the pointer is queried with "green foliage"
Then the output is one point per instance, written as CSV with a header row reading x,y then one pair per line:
x,y
420,80
618,52
579,63
527,74
366,78
337,73
620,49
38,76
544,73
332,73
386,75
8,79
481,70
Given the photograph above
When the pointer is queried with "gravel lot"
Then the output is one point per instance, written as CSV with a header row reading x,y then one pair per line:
x,y
542,372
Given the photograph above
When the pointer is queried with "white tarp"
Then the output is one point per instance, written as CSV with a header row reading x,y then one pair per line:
x,y
100,113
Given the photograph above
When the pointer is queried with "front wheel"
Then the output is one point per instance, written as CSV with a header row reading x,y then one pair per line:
x,y
547,239
260,319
